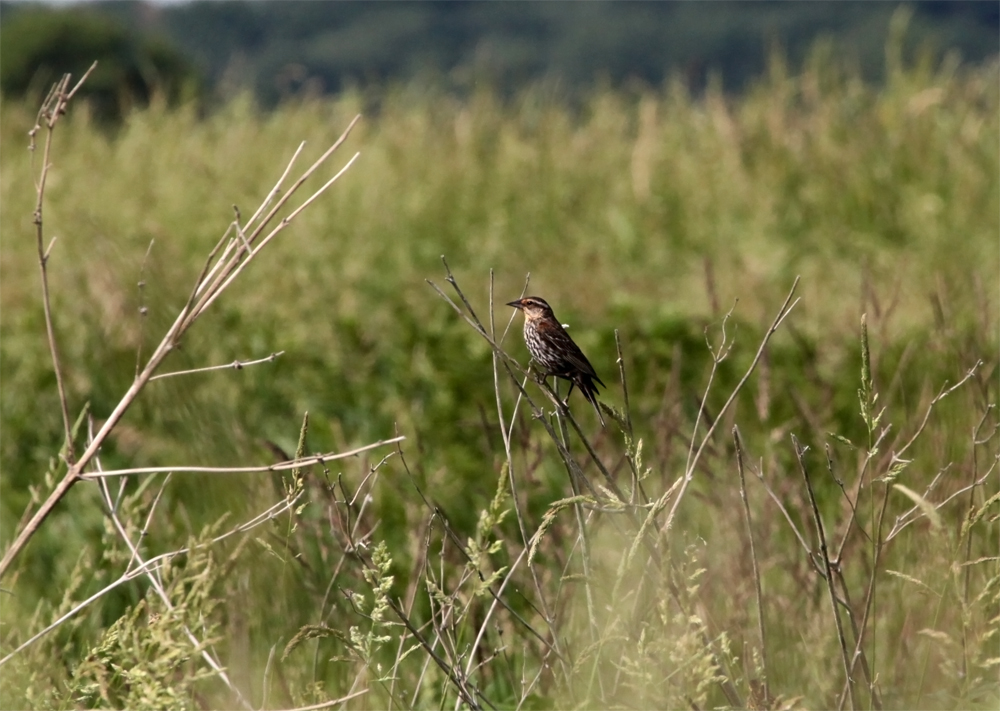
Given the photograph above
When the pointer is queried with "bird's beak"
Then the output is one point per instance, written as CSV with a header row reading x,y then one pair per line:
x,y
516,304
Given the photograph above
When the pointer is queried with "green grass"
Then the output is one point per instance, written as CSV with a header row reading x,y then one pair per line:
x,y
649,212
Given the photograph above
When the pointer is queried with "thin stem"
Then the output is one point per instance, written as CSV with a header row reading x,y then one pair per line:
x,y
783,312
828,569
51,110
281,466
235,365
753,560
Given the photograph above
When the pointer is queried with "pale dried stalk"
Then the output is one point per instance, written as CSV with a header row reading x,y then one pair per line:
x,y
235,365
52,108
233,265
331,702
281,466
199,300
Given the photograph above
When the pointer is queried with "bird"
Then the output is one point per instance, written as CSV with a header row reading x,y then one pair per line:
x,y
555,352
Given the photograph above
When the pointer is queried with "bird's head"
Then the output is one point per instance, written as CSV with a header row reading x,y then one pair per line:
x,y
533,307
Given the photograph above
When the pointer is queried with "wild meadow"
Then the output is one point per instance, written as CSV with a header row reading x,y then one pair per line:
x,y
791,294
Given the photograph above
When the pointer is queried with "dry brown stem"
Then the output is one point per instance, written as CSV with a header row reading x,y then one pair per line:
x,y
215,278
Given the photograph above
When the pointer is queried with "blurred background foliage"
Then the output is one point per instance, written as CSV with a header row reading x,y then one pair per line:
x,y
866,161
279,49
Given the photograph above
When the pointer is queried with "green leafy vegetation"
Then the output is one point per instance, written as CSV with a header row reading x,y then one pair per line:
x,y
673,224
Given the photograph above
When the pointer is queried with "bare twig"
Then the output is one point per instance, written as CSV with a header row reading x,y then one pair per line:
x,y
234,269
942,394
281,466
753,559
783,312
235,365
143,311
52,108
637,491
828,569
331,702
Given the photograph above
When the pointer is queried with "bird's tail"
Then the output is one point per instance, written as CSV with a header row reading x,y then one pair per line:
x,y
589,391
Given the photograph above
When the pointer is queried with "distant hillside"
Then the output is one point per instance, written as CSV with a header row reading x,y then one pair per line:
x,y
280,47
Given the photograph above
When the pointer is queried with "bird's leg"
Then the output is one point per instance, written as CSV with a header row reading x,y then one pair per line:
x,y
563,401
542,377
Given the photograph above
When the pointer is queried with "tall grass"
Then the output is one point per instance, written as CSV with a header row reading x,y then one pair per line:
x,y
649,213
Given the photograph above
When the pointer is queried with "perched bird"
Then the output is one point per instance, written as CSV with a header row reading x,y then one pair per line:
x,y
555,352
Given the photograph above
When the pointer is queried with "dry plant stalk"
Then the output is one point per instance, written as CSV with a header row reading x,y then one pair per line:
x,y
220,270
52,108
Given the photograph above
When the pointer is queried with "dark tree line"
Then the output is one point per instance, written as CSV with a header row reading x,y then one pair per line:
x,y
280,48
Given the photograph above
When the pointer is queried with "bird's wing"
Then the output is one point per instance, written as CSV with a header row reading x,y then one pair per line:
x,y
570,350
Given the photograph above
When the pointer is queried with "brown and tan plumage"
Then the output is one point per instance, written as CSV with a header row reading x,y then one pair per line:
x,y
555,352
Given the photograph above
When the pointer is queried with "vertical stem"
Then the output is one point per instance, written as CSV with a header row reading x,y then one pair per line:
x,y
51,111
753,560
828,572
